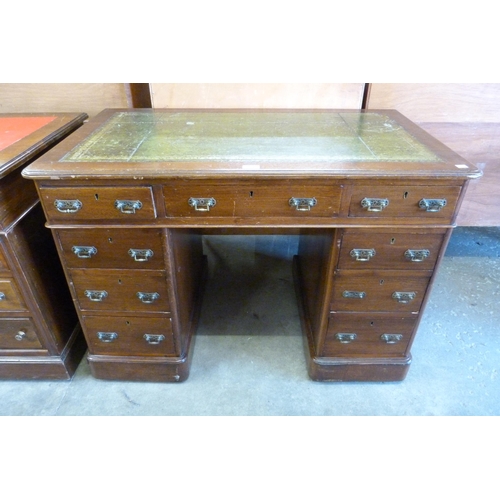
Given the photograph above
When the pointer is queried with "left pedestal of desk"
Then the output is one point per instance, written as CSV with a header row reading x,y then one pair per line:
x,y
40,336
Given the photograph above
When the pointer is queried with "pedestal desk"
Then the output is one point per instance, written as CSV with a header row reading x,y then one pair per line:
x,y
129,196
40,335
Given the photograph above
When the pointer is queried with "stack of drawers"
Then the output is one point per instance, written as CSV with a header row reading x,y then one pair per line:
x,y
379,279
379,285
121,275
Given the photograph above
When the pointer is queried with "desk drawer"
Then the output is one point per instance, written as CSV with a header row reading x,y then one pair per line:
x,y
94,203
18,333
112,248
285,198
368,335
116,290
423,202
3,263
10,298
381,291
134,336
381,249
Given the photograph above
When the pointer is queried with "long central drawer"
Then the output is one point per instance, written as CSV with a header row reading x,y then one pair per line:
x,y
250,198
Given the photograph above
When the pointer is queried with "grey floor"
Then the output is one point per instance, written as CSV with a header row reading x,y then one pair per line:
x,y
249,358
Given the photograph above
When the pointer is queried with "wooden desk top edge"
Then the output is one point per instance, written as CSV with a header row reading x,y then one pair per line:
x,y
18,153
49,165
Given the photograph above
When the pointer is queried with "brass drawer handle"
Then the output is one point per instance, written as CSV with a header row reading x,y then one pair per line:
x,y
432,205
20,335
153,339
202,204
107,336
346,338
141,255
128,206
84,252
302,204
348,294
404,297
374,204
391,338
362,254
96,295
147,298
417,255
2,296
68,206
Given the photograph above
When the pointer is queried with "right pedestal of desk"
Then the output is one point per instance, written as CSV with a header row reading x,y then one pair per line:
x,y
362,288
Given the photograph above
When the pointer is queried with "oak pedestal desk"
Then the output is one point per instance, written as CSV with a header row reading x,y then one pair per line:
x,y
40,336
372,197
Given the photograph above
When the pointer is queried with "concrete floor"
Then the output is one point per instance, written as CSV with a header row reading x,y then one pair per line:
x,y
249,359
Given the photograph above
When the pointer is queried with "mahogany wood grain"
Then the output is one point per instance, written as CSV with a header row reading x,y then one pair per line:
x,y
130,336
368,330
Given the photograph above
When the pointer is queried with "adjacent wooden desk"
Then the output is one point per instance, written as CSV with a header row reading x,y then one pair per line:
x,y
129,196
39,332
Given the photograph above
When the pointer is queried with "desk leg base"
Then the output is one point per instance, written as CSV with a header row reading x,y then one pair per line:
x,y
139,369
358,370
35,367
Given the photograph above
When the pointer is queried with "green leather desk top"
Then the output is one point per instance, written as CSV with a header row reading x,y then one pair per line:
x,y
257,136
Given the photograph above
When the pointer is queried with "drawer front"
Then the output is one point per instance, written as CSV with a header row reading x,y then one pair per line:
x,y
94,203
112,248
368,249
116,290
3,262
18,333
423,202
134,336
252,199
368,335
378,292
10,298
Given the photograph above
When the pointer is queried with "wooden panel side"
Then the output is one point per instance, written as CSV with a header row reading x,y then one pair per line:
x,y
38,268
438,102
478,143
257,95
90,98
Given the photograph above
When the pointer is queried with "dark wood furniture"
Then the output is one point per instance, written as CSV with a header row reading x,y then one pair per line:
x,y
129,196
39,332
